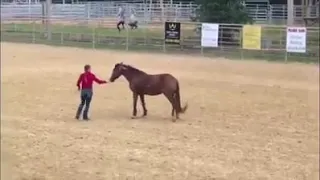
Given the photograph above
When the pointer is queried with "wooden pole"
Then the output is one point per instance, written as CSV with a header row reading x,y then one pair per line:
x,y
43,13
305,8
150,10
48,19
290,12
162,12
309,6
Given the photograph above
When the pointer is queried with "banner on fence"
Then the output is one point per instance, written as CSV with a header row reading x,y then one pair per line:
x,y
251,37
172,32
296,39
209,35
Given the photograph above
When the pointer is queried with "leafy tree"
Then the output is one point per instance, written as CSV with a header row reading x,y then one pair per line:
x,y
222,11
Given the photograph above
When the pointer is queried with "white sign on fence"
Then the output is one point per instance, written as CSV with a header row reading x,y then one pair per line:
x,y
209,35
296,39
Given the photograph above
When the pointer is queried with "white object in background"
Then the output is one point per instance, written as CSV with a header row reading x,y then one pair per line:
x,y
296,39
132,18
209,35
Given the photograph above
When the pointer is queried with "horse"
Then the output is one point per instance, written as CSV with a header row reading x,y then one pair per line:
x,y
142,84
133,24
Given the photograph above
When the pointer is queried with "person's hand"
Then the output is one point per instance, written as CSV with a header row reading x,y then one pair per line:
x,y
78,88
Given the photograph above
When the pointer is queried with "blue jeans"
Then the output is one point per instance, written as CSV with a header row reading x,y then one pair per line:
x,y
86,97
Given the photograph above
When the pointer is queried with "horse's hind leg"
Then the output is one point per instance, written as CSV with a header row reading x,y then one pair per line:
x,y
143,104
172,101
135,99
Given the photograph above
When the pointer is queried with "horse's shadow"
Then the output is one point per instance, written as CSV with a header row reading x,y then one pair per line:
x,y
149,117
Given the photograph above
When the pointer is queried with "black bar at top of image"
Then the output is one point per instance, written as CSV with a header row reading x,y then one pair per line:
x,y
172,32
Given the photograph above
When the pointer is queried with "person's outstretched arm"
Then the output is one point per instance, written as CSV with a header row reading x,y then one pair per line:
x,y
98,80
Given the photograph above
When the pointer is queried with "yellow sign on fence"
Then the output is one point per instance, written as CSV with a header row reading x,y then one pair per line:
x,y
251,37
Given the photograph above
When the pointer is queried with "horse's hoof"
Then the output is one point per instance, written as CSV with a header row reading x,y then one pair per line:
x,y
133,117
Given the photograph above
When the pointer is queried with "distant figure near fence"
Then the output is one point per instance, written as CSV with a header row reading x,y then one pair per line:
x,y
121,18
133,23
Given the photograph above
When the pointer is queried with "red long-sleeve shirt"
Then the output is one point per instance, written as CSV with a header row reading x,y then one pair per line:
x,y
86,80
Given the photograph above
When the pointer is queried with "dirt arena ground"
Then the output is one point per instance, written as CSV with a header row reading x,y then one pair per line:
x,y
246,119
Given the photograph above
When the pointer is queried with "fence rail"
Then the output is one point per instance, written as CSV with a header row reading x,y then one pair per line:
x,y
101,33
265,14
144,12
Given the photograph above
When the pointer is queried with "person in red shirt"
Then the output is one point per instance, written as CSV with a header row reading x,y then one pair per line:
x,y
84,84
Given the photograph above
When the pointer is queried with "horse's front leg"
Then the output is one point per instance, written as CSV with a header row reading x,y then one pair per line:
x,y
172,112
145,111
135,99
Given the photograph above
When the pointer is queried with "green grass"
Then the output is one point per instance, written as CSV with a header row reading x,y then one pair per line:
x,y
104,31
153,40
77,29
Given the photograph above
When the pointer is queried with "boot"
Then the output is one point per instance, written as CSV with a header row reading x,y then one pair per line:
x,y
85,115
79,112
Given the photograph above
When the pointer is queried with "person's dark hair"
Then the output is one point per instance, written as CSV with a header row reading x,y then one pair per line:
x,y
87,67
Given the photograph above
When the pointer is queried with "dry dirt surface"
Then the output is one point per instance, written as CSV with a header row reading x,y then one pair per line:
x,y
248,120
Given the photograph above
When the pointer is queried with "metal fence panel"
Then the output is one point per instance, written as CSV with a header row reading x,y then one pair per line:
x,y
144,12
262,14
102,33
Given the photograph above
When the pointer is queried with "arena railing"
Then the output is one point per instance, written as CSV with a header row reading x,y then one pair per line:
x,y
262,14
100,33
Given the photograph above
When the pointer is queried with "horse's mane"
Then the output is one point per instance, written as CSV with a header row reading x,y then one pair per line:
x,y
134,69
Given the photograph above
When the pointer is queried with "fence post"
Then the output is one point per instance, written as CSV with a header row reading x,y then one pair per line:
x,y
29,9
201,50
176,15
286,56
62,35
164,36
88,6
145,34
241,42
197,25
127,38
15,27
220,40
94,37
286,52
269,14
48,18
43,11
33,31
285,48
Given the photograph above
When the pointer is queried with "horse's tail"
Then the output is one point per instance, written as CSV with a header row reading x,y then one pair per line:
x,y
177,98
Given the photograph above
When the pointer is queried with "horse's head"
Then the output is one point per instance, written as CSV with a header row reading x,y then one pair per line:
x,y
117,71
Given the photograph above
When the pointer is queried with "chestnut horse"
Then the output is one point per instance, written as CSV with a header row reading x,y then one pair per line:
x,y
142,84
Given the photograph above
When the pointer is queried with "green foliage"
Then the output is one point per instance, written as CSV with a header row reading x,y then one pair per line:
x,y
223,11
